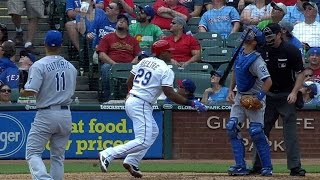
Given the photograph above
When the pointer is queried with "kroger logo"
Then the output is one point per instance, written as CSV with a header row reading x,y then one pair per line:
x,y
12,135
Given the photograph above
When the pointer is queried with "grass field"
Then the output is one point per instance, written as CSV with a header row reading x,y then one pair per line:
x,y
73,166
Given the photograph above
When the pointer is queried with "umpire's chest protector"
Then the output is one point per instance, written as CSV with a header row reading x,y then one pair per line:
x,y
244,79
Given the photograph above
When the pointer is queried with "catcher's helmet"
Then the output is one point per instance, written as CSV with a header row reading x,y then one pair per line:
x,y
161,46
255,33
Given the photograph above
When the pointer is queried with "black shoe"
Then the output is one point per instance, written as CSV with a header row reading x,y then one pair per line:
x,y
133,170
255,170
104,163
18,40
298,171
32,49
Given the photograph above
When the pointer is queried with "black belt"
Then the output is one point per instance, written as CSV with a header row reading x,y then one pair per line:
x,y
61,107
140,98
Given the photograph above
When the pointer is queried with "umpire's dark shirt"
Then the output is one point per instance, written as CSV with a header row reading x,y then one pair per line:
x,y
283,63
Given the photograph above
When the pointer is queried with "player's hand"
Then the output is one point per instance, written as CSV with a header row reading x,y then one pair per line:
x,y
230,97
292,98
198,106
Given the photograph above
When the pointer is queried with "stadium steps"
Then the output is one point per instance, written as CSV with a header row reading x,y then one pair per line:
x,y
83,91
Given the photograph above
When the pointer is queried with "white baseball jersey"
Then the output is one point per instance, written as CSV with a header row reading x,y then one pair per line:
x,y
53,79
150,75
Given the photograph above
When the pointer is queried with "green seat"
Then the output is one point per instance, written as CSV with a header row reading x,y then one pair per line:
x,y
216,56
194,21
193,28
210,43
198,68
232,41
201,80
118,77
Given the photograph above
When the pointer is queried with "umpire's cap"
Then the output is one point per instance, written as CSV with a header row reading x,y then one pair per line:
x,y
161,46
53,38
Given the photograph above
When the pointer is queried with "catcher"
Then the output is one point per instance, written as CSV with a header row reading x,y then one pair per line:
x,y
253,81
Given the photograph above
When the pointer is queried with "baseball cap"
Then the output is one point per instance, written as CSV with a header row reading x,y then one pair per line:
x,y
279,6
314,50
53,38
254,34
187,84
122,16
29,55
312,86
147,9
179,20
217,73
272,28
284,24
161,46
312,4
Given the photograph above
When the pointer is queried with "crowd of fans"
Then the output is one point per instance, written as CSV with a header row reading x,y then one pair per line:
x,y
118,30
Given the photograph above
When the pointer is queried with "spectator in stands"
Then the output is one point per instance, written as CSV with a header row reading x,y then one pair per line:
x,y
72,10
286,2
255,13
35,11
5,94
313,56
194,6
186,88
295,14
25,62
216,94
243,3
10,73
104,25
309,92
278,11
117,47
308,32
145,32
286,35
166,11
221,19
127,6
3,33
187,47
308,74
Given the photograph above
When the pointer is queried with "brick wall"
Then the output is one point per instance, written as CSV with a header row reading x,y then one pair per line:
x,y
203,136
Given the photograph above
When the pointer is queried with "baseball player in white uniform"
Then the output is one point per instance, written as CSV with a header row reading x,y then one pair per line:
x,y
147,80
52,80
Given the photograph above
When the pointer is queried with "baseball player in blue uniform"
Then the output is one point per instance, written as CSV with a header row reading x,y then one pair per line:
x,y
147,80
52,80
252,78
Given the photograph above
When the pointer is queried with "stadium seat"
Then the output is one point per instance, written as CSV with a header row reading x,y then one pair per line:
x,y
222,67
232,40
144,2
198,68
201,80
193,24
209,39
118,76
216,56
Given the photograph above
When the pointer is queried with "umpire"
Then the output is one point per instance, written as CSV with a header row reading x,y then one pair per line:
x,y
285,66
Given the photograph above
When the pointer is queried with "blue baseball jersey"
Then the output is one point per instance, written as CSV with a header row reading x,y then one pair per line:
x,y
220,20
295,16
101,26
294,41
10,75
4,63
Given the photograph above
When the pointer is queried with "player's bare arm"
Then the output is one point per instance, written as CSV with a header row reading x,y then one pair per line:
x,y
130,81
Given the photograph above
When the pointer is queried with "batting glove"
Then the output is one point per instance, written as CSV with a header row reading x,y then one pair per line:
x,y
198,106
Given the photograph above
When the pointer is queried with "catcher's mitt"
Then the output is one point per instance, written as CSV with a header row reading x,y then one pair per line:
x,y
250,102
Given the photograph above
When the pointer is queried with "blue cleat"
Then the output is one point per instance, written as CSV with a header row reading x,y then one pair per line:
x,y
238,171
266,172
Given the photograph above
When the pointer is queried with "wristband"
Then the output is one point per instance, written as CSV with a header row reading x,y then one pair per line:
x,y
261,95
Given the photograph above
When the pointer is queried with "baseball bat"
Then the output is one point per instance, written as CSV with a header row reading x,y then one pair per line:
x,y
234,57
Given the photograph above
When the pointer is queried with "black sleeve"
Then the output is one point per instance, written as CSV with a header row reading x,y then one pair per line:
x,y
295,58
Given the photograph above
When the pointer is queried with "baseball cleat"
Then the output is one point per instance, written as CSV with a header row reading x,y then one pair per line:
x,y
266,172
238,171
133,170
103,163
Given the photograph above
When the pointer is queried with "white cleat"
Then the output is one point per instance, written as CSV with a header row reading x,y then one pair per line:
x,y
103,163
133,170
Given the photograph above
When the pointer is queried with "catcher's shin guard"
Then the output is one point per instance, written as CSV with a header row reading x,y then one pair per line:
x,y
261,142
233,129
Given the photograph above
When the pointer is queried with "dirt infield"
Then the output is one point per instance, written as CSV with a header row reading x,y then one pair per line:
x,y
169,176
165,176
